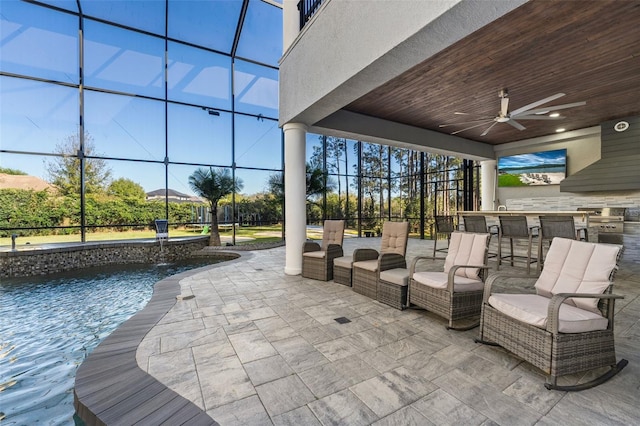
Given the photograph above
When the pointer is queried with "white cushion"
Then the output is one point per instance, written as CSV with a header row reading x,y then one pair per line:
x,y
318,254
577,267
399,276
369,265
466,248
440,279
343,262
532,309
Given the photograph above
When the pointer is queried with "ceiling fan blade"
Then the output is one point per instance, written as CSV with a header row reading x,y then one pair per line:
x,y
535,104
468,128
504,106
516,124
465,122
488,128
552,108
538,117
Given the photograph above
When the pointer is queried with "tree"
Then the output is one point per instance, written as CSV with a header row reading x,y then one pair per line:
x,y
126,188
64,171
213,184
316,179
8,171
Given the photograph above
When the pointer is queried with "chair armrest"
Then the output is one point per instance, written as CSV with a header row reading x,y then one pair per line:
x,y
553,311
534,228
454,268
414,263
388,261
365,254
496,277
310,246
493,229
333,251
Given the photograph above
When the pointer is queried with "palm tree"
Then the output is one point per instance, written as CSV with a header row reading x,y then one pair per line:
x,y
213,184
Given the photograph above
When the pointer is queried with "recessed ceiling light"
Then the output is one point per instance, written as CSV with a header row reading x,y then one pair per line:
x,y
554,114
560,130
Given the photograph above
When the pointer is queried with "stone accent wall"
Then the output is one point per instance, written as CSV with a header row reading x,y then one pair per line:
x,y
42,261
631,200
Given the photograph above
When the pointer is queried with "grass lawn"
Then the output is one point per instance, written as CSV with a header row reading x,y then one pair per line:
x,y
261,234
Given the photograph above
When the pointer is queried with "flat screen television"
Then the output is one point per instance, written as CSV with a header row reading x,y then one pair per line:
x,y
537,168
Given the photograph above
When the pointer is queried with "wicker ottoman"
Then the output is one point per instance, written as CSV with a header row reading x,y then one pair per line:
x,y
392,287
342,270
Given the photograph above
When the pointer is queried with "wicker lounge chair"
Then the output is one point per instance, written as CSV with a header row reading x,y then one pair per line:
x,y
479,224
566,327
317,260
454,293
366,261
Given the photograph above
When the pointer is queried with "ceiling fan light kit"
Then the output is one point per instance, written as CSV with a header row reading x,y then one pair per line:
x,y
527,112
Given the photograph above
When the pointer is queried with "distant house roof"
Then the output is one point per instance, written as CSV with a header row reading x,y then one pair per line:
x,y
173,195
24,182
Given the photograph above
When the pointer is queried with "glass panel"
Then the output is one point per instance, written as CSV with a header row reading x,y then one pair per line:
x,y
338,193
198,136
314,151
258,143
125,126
258,209
37,117
351,157
145,15
336,155
255,89
209,24
374,160
28,200
261,36
126,198
63,4
199,77
123,60
39,42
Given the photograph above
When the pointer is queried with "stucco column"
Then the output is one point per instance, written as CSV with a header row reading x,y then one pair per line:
x,y
488,183
295,195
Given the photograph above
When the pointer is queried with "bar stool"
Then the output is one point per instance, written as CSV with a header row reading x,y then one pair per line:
x,y
515,227
444,226
479,224
554,226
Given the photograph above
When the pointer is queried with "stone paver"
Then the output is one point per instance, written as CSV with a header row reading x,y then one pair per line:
x,y
256,346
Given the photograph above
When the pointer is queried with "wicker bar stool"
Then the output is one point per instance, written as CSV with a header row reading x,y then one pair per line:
x,y
515,227
478,224
444,226
551,227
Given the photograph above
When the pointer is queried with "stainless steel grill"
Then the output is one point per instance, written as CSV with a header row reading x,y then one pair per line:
x,y
609,221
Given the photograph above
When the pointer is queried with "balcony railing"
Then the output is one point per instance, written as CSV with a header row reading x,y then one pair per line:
x,y
307,8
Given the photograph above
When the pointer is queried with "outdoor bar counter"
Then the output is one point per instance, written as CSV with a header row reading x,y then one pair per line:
x,y
581,218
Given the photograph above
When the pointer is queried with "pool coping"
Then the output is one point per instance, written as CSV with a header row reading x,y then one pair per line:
x,y
111,388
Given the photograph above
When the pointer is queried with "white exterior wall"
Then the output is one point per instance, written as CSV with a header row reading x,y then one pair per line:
x,y
351,47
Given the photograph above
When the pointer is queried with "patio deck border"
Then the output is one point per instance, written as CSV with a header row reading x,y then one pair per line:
x,y
110,387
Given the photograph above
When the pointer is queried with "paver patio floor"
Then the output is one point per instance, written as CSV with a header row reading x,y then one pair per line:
x,y
258,347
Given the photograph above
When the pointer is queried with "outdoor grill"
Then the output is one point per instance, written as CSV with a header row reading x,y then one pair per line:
x,y
609,221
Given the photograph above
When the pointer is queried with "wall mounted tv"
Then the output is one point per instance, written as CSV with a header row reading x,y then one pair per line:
x,y
537,168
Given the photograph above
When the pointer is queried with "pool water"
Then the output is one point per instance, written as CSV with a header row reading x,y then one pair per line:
x,y
48,325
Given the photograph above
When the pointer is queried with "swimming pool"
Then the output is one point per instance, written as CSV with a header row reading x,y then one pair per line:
x,y
48,325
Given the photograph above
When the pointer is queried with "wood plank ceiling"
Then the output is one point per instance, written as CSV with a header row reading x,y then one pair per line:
x,y
589,50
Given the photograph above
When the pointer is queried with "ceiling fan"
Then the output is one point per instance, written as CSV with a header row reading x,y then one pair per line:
x,y
527,112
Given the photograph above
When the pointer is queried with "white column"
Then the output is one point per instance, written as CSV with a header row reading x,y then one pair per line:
x,y
295,195
290,23
488,183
